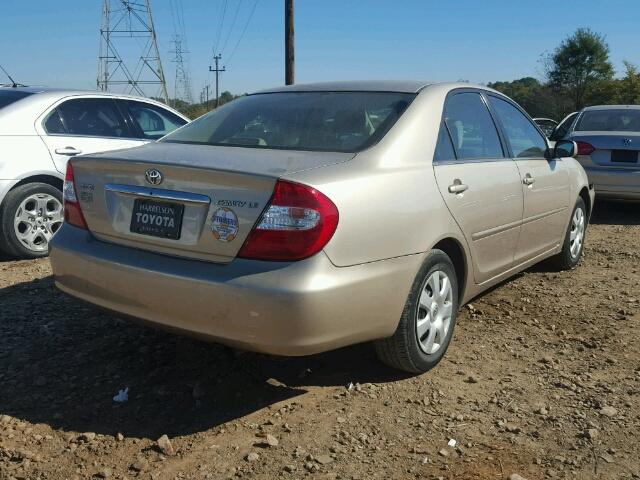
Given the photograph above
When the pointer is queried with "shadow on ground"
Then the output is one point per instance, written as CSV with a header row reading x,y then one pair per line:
x,y
616,213
61,363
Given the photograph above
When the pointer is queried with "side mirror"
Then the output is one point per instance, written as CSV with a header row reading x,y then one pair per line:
x,y
565,148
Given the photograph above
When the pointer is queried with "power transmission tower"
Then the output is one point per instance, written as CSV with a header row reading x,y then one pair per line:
x,y
129,21
216,59
182,85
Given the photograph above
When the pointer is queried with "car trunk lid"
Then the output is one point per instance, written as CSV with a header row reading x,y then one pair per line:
x,y
204,206
612,149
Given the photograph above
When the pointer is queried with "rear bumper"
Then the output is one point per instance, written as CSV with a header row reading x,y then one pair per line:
x,y
294,308
615,182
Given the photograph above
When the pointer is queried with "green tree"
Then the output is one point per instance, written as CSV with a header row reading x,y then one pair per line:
x,y
537,99
629,86
579,63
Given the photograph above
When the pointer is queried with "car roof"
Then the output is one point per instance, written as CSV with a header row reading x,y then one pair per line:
x,y
400,86
69,92
396,86
611,107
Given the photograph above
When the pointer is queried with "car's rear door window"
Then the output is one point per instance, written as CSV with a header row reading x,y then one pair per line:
x,y
524,139
472,130
153,122
444,148
93,117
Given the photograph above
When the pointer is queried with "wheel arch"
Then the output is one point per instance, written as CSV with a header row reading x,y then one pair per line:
x,y
53,180
455,251
584,194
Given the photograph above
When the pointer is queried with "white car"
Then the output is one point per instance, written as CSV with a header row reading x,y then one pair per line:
x,y
40,129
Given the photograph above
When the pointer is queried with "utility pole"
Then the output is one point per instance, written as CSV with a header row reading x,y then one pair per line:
x,y
289,60
207,95
129,23
216,59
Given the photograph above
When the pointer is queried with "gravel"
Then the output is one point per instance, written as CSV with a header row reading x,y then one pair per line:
x,y
542,380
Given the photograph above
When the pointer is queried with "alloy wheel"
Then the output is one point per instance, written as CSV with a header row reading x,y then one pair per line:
x,y
37,219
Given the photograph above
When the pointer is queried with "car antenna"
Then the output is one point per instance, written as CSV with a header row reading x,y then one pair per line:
x,y
14,84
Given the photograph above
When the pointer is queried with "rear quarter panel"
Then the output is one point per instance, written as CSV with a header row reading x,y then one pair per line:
x,y
387,197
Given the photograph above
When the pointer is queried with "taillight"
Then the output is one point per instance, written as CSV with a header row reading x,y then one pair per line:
x,y
297,224
72,211
585,148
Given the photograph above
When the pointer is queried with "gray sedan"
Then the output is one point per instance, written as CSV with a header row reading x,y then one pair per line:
x,y
608,138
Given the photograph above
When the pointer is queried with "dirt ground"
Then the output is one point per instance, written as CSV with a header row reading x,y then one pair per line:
x,y
542,380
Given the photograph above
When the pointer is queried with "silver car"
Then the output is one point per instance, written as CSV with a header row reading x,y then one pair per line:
x,y
608,139
306,218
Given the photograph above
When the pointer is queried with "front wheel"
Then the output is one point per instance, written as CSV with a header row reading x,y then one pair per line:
x,y
573,244
428,319
30,215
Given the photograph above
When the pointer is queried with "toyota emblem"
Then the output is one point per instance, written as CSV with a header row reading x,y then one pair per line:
x,y
626,142
153,176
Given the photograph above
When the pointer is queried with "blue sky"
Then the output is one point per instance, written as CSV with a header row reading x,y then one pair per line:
x,y
55,43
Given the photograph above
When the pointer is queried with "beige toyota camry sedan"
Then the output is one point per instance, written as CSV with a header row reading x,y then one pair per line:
x,y
305,218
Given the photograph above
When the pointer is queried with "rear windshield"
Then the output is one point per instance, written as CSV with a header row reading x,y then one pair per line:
x,y
318,121
7,97
614,120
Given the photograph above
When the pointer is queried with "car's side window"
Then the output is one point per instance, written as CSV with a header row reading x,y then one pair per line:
x,y
561,130
523,137
473,132
154,122
93,117
53,124
444,148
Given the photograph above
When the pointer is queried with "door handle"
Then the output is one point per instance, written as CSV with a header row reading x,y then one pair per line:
x,y
70,151
458,186
528,179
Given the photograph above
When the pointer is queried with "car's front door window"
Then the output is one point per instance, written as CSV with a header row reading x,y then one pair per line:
x,y
524,139
154,122
562,130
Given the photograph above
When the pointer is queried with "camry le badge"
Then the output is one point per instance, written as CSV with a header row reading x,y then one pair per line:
x,y
626,142
153,176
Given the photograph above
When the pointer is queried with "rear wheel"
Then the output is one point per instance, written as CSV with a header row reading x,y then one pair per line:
x,y
573,244
428,319
30,215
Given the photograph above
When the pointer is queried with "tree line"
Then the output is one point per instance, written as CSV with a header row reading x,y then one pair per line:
x,y
578,73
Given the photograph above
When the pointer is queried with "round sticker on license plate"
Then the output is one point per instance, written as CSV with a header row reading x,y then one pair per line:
x,y
224,224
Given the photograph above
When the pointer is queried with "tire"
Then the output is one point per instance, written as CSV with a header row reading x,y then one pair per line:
x,y
29,216
571,252
405,350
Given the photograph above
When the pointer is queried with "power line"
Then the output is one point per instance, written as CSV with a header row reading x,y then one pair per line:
x,y
233,24
255,4
224,11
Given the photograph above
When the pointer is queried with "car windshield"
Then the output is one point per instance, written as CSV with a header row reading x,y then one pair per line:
x,y
7,97
318,121
610,120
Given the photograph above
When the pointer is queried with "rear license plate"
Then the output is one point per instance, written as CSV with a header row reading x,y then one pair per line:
x,y
158,219
624,156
